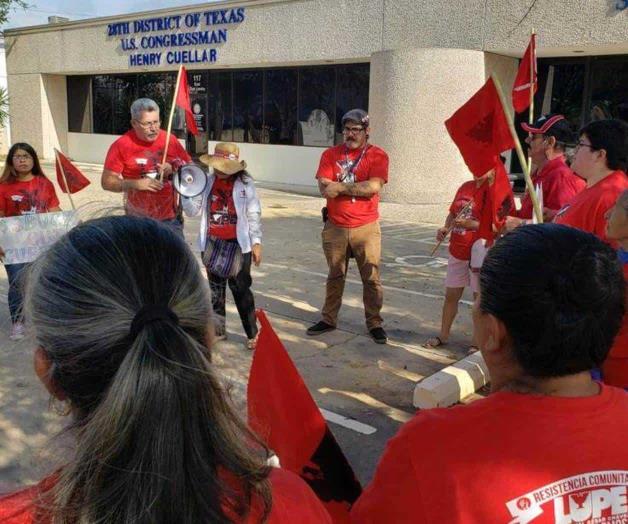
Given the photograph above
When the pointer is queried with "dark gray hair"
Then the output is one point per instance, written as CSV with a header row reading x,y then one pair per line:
x,y
141,105
157,440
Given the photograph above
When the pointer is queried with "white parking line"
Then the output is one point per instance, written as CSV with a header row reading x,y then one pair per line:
x,y
349,423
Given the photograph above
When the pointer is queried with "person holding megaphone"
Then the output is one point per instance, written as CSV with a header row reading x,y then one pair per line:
x,y
230,236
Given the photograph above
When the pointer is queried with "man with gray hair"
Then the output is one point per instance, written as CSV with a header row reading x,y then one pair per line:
x,y
134,166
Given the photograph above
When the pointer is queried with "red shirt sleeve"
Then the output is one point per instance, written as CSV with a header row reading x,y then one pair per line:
x,y
51,195
326,165
379,164
178,151
557,192
393,495
3,208
113,161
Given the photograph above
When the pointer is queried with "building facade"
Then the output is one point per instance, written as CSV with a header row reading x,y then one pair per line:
x,y
277,75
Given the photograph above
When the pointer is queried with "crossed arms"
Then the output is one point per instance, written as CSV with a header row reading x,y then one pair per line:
x,y
367,188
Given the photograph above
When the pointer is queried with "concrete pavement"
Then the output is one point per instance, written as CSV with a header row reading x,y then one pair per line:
x,y
348,374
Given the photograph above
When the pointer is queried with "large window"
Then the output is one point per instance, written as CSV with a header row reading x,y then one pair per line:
x,y
112,97
292,105
583,89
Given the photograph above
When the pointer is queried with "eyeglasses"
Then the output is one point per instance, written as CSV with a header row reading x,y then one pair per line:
x,y
148,125
582,144
22,157
352,130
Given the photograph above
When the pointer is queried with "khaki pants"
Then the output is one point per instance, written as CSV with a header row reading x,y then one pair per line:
x,y
365,242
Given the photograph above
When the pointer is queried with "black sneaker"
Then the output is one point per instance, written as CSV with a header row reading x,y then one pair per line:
x,y
379,335
319,328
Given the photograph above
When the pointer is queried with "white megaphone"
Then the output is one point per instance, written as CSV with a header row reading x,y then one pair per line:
x,y
190,180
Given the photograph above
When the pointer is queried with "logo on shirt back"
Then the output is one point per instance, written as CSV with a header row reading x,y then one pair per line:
x,y
599,497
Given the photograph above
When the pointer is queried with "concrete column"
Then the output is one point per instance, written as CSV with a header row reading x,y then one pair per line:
x,y
412,93
41,103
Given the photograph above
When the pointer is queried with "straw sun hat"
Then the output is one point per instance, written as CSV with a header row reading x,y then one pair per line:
x,y
225,158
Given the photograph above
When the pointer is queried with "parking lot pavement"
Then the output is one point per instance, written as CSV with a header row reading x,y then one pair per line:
x,y
364,389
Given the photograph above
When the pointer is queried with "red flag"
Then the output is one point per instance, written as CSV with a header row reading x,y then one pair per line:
x,y
526,78
497,202
284,414
75,179
480,130
183,101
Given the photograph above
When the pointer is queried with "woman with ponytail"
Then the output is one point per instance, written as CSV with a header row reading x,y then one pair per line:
x,y
122,337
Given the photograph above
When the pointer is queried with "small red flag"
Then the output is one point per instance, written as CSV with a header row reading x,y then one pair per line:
x,y
497,202
526,78
283,413
183,101
75,179
480,130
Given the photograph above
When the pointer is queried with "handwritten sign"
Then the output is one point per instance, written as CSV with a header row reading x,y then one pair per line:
x,y
26,237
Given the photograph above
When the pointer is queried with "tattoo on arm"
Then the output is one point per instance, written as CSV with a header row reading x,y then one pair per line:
x,y
361,189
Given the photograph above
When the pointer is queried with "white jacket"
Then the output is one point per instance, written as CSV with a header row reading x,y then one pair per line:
x,y
247,207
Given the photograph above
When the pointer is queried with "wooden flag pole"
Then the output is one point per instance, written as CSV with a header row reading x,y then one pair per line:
x,y
172,110
532,82
459,215
65,180
522,159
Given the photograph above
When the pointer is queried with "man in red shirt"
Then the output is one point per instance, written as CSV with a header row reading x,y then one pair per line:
x,y
547,140
548,445
134,166
350,176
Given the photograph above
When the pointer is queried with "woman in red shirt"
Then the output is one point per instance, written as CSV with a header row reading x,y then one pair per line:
x,y
601,158
125,345
24,190
548,444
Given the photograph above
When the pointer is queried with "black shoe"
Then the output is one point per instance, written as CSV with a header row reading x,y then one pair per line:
x,y
319,328
379,335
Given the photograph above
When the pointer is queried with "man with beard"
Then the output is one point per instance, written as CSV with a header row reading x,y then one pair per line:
x,y
134,166
350,176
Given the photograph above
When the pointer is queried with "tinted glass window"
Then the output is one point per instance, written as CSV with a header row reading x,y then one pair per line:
x,y
609,89
247,107
317,105
113,96
352,91
280,106
220,115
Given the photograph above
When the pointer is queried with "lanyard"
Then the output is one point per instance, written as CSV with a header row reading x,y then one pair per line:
x,y
354,166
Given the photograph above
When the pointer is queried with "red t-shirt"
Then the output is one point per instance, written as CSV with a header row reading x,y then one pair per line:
x,y
461,239
587,210
508,458
27,198
558,183
132,158
615,369
346,211
222,213
293,501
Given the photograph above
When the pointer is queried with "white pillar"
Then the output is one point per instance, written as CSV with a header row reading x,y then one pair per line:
x,y
412,93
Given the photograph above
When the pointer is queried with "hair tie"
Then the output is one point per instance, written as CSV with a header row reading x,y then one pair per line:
x,y
151,313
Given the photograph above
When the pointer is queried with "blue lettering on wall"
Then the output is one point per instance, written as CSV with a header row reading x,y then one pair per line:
x,y
164,32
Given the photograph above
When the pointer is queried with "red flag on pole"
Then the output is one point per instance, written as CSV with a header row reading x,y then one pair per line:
x,y
526,79
67,171
284,414
480,130
497,202
183,101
